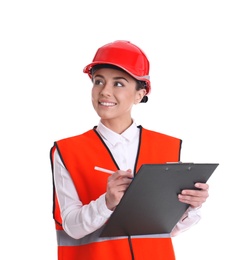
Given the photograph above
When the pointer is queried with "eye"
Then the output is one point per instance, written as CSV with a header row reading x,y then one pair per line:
x,y
118,84
97,82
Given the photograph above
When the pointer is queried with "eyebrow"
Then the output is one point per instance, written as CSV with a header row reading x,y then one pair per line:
x,y
115,78
120,78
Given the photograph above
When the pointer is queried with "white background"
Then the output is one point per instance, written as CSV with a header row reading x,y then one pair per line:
x,y
45,96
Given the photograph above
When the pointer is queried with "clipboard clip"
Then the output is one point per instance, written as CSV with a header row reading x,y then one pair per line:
x,y
188,163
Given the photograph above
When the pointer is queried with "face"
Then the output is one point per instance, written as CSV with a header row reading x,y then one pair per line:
x,y
113,96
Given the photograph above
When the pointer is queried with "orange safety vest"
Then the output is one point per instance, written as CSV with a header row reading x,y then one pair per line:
x,y
80,154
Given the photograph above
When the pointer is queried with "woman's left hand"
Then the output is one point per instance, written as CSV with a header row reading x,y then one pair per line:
x,y
195,198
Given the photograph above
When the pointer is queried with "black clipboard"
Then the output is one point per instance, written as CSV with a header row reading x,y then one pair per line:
x,y
150,205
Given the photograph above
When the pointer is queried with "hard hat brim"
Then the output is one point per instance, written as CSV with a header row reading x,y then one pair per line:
x,y
87,69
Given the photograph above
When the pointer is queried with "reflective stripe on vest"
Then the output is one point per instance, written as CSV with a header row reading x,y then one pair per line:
x,y
65,240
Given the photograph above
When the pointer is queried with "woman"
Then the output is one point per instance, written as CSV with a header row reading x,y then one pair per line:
x,y
84,198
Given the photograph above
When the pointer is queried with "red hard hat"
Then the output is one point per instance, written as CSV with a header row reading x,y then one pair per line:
x,y
126,56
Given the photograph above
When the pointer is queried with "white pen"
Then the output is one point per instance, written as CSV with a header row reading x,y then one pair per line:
x,y
103,170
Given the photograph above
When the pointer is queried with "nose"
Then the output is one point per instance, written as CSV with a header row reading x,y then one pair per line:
x,y
106,90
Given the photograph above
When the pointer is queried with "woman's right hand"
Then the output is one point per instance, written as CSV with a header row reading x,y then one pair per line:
x,y
117,184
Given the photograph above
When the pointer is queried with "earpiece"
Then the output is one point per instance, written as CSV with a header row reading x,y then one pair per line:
x,y
144,99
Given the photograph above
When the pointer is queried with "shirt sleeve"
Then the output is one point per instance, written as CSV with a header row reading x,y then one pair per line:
x,y
78,220
190,218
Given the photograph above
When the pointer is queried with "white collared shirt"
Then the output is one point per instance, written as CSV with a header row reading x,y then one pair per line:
x,y
80,220
122,146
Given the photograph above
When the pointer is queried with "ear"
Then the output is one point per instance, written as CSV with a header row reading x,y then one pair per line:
x,y
139,95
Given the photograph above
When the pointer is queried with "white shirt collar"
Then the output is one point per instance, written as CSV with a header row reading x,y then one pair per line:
x,y
113,138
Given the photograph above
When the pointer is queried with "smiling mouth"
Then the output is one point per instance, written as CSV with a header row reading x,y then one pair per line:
x,y
107,104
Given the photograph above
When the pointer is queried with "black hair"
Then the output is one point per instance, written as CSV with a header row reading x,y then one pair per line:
x,y
100,66
142,85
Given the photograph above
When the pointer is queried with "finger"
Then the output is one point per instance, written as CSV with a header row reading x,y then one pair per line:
x,y
193,204
202,193
192,198
188,201
202,186
195,193
121,174
118,184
